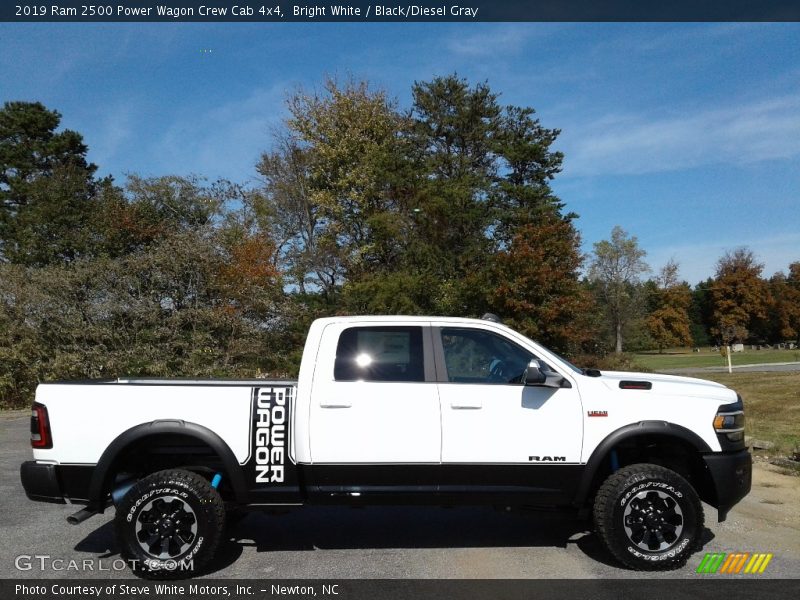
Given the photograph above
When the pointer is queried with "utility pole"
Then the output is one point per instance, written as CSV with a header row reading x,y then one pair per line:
x,y
727,333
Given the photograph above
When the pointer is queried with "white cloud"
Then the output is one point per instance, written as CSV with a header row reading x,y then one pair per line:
x,y
115,129
226,140
698,261
492,40
620,143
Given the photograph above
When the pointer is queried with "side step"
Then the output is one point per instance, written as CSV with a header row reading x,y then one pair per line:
x,y
82,515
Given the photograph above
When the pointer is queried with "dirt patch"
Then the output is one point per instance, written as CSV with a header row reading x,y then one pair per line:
x,y
774,498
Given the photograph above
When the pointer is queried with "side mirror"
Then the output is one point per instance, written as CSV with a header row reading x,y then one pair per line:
x,y
533,374
538,373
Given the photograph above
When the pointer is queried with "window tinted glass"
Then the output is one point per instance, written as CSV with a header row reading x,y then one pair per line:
x,y
380,354
476,356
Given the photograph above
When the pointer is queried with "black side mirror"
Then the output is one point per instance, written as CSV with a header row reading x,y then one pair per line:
x,y
533,374
538,373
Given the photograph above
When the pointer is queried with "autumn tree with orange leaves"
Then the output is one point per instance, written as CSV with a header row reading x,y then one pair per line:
x,y
538,290
739,295
668,323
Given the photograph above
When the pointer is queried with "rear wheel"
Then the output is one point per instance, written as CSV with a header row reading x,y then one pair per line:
x,y
648,517
169,524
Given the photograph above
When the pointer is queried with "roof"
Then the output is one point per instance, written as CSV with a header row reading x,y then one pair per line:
x,y
406,319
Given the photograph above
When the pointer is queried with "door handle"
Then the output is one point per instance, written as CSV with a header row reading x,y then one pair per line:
x,y
335,404
466,404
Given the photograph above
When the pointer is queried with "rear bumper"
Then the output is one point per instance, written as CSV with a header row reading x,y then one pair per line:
x,y
40,482
45,482
731,478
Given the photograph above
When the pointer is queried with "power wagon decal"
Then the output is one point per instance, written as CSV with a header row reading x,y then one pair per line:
x,y
270,469
271,434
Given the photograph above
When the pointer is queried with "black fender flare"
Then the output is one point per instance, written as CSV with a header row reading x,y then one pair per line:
x,y
100,483
627,432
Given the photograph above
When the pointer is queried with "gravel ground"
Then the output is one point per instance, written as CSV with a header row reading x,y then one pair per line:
x,y
388,542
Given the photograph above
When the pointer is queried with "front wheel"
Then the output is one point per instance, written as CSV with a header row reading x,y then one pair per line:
x,y
169,524
648,517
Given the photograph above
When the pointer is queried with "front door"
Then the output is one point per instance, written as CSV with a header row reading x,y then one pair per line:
x,y
500,437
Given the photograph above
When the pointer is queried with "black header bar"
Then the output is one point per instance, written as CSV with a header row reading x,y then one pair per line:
x,y
277,11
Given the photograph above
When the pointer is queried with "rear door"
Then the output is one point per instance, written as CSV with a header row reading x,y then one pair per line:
x,y
375,423
500,437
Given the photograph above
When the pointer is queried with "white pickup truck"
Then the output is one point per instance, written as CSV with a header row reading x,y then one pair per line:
x,y
394,410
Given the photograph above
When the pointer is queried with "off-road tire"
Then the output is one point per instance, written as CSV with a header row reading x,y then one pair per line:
x,y
639,503
169,524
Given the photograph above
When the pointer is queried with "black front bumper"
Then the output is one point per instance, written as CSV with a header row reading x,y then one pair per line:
x,y
54,483
731,477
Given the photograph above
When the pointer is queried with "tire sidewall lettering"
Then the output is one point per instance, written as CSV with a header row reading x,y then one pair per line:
x,y
149,495
647,485
670,554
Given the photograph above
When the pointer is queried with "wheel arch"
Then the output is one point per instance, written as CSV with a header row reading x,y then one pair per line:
x,y
104,472
630,433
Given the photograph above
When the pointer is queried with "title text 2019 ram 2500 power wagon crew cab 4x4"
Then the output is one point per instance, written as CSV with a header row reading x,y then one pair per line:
x,y
395,410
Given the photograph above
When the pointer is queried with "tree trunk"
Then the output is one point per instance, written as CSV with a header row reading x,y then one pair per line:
x,y
619,338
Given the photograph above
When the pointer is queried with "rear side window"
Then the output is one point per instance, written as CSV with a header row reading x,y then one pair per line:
x,y
380,354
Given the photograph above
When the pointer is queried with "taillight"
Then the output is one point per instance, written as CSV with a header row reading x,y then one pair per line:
x,y
40,427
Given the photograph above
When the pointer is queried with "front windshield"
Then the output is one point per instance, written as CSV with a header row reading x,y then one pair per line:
x,y
561,358
566,362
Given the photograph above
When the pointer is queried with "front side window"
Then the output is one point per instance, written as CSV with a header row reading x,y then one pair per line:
x,y
380,354
478,356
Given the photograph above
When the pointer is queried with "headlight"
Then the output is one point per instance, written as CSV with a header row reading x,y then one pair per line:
x,y
731,424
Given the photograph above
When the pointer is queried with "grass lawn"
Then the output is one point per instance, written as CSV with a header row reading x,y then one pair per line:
x,y
771,405
681,358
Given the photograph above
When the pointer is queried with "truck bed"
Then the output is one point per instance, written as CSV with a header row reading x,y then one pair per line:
x,y
176,381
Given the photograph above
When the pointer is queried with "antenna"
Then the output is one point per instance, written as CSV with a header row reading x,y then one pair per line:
x,y
492,317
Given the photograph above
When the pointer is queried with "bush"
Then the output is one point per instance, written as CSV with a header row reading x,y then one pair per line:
x,y
609,362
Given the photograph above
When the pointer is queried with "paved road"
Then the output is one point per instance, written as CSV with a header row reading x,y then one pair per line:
x,y
388,542
762,368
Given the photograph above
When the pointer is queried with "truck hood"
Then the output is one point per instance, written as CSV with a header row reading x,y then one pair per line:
x,y
672,385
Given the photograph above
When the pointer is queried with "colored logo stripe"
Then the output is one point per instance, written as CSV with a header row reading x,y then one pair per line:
x,y
758,563
711,562
734,562
720,562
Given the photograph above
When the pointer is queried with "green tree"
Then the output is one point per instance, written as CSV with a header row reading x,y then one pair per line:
x,y
784,310
288,208
615,270
454,130
204,298
406,213
701,313
46,187
349,136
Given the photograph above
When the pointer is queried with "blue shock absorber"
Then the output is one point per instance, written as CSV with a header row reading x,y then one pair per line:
x,y
215,481
614,461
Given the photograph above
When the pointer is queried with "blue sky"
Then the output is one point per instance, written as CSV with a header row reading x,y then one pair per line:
x,y
686,135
